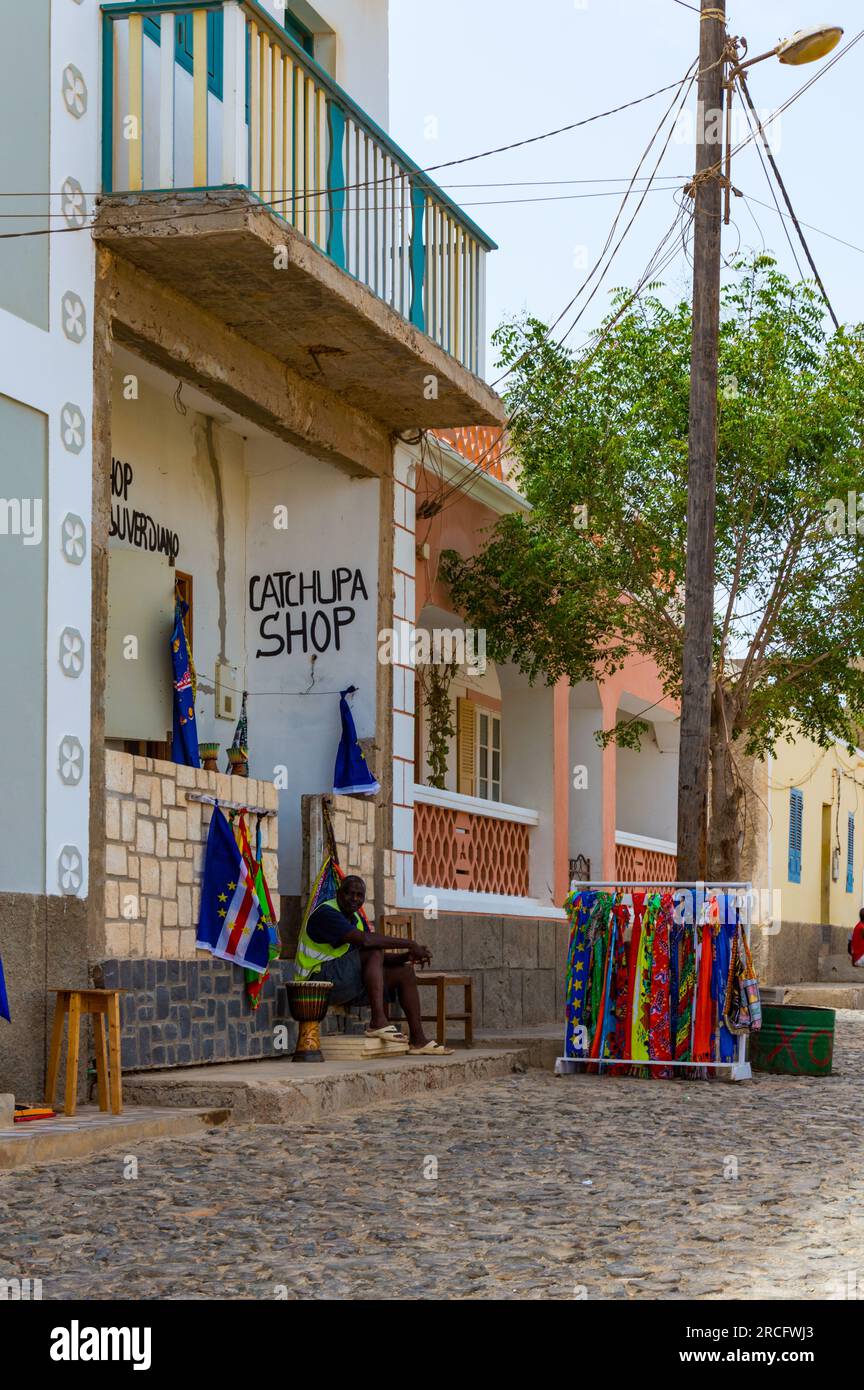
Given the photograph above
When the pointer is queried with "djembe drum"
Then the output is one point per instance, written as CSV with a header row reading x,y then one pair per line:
x,y
307,1001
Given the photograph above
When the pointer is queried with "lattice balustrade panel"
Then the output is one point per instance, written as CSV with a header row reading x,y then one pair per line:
x,y
500,856
434,850
634,865
478,854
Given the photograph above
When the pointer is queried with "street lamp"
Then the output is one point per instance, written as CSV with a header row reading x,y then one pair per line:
x,y
809,45
720,67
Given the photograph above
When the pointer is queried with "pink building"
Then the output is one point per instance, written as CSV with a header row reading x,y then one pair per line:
x,y
521,798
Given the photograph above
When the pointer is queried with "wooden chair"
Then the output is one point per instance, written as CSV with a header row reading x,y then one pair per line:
x,y
104,1005
440,981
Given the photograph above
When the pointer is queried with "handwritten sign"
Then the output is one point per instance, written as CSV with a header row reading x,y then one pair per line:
x,y
128,524
305,611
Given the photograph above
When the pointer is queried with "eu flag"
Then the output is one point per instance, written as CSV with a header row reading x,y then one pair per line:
x,y
352,772
230,924
184,747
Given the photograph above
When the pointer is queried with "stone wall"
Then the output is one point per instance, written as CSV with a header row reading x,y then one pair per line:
x,y
517,966
182,1013
154,852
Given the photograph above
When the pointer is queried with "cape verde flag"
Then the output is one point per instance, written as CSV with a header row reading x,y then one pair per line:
x,y
230,924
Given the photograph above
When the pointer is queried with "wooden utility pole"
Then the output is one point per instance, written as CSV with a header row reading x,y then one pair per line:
x,y
697,673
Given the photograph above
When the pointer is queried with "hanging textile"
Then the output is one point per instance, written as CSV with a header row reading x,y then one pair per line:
x,y
578,907
184,744
638,901
686,986
659,1029
704,1014
254,981
352,774
240,741
617,1040
649,988
4,997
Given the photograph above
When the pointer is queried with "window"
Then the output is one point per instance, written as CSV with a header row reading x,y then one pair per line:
x,y
183,43
850,855
299,33
488,755
796,820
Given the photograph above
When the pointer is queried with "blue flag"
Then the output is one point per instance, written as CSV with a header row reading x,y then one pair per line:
x,y
230,924
4,997
184,747
352,772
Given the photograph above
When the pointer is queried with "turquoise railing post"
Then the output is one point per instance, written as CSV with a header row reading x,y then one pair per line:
x,y
107,103
418,255
336,184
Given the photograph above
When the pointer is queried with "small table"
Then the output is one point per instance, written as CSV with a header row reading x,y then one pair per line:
x,y
104,1005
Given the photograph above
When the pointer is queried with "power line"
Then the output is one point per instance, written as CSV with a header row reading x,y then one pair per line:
x,y
774,195
752,110
748,197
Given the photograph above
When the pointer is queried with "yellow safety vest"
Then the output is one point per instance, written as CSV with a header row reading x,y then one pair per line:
x,y
311,955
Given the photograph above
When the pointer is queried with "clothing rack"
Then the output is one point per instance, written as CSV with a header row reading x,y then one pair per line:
x,y
739,1069
230,805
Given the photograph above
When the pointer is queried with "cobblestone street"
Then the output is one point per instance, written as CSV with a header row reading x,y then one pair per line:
x,y
546,1188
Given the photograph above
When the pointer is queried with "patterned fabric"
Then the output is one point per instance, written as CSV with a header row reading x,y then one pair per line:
x,y
659,1037
642,988
578,907
638,900
686,988
704,1018
621,996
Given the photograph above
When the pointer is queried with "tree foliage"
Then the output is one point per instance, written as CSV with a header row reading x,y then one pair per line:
x,y
596,571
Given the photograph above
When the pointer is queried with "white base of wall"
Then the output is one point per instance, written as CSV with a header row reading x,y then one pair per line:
x,y
483,904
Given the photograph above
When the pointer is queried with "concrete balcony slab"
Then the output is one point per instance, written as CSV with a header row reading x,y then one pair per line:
x,y
230,256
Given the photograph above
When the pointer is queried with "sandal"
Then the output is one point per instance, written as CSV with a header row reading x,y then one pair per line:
x,y
431,1049
389,1034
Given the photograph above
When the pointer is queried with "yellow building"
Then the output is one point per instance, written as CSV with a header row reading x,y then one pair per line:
x,y
815,854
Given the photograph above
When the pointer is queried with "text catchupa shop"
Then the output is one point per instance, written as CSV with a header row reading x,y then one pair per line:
x,y
325,600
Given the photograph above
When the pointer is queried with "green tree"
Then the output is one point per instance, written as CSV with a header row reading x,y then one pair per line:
x,y
595,572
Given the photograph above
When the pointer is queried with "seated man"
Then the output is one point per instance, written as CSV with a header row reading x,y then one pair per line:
x,y
333,946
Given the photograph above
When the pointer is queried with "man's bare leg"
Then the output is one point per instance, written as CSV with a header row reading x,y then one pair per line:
x,y
404,981
372,969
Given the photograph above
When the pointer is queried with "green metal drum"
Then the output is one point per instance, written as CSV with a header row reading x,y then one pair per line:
x,y
794,1039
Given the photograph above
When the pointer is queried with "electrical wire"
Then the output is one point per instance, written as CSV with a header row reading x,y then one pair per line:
x,y
772,161
448,164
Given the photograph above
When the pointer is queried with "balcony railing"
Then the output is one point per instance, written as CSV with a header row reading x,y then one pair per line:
x,y
463,843
198,95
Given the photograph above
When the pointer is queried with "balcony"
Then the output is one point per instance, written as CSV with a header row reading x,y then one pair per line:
x,y
639,859
238,173
463,844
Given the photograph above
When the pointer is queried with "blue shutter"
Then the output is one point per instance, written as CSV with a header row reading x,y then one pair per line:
x,y
796,821
183,43
299,33
850,855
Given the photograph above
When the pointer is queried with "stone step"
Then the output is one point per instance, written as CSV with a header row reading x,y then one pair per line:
x,y
822,994
91,1130
840,967
280,1091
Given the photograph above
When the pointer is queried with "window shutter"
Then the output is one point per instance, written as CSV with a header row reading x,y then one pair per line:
x,y
796,822
850,855
466,747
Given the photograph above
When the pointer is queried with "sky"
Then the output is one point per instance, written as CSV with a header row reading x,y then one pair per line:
x,y
469,75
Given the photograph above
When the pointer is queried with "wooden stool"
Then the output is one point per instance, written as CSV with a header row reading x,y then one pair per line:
x,y
440,981
103,1004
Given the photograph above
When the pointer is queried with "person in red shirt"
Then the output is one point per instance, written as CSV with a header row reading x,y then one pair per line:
x,y
856,941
